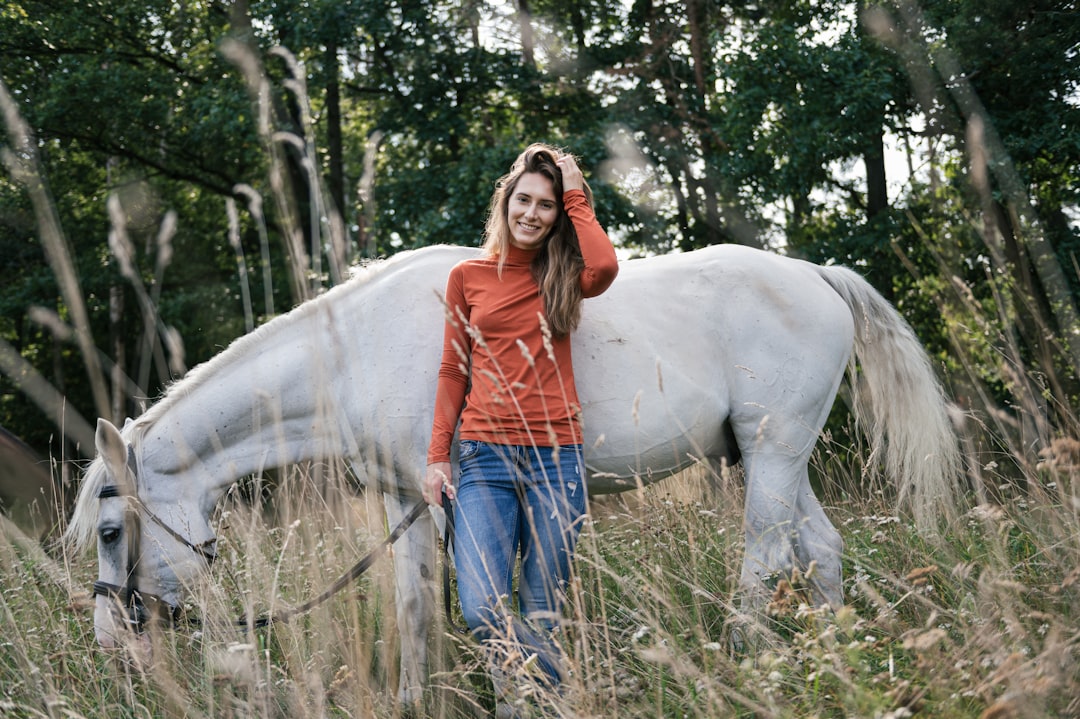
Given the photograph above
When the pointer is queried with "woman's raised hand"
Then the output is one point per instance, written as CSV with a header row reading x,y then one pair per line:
x,y
571,173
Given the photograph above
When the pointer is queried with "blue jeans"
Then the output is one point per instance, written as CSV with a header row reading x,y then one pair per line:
x,y
510,499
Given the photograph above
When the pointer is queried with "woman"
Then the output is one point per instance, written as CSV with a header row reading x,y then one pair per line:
x,y
506,375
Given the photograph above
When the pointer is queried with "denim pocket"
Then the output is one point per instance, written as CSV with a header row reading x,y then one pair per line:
x,y
467,449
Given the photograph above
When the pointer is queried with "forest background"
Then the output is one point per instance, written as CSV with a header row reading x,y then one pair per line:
x,y
933,147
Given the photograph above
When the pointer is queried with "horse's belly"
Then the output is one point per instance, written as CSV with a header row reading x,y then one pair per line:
x,y
651,432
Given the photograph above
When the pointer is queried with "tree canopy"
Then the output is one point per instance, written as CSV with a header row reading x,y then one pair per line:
x,y
244,153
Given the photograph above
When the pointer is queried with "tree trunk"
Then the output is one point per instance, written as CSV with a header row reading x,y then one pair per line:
x,y
528,50
337,211
877,191
1035,320
336,180
696,22
116,334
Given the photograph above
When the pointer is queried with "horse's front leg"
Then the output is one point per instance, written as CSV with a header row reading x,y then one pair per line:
x,y
414,578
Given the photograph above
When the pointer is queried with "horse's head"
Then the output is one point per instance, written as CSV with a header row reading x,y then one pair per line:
x,y
153,538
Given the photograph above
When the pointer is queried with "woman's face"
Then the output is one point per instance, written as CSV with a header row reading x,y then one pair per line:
x,y
532,211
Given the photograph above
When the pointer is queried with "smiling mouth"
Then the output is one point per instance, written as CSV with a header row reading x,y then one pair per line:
x,y
528,228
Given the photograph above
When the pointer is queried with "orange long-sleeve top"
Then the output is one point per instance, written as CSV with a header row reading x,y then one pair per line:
x,y
497,375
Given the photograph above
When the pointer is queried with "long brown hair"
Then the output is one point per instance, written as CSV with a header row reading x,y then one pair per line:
x,y
557,267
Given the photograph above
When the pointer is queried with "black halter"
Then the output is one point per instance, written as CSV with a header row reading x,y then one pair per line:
x,y
141,607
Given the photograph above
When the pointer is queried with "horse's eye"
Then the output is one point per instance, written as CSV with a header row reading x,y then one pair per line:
x,y
109,535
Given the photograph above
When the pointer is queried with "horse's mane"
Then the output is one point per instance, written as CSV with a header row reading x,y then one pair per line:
x,y
83,523
84,518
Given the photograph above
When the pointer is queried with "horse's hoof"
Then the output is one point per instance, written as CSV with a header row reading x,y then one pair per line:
x,y
737,643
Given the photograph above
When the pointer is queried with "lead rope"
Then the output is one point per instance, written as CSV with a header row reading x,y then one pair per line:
x,y
345,579
364,564
448,541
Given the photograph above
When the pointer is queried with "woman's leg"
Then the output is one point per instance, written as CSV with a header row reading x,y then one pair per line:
x,y
509,497
555,503
486,536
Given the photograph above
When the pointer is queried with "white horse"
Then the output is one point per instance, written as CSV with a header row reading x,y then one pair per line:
x,y
719,354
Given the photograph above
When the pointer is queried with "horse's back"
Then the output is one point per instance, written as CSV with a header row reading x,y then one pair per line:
x,y
685,348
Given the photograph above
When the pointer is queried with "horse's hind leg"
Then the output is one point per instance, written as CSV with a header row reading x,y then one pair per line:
x,y
786,529
772,483
414,577
772,486
819,546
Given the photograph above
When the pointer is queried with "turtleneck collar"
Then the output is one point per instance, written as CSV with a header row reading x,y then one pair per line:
x,y
518,256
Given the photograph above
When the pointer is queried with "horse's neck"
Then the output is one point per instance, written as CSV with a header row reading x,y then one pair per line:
x,y
359,362
267,408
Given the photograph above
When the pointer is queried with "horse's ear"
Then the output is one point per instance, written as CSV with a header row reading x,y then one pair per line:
x,y
111,448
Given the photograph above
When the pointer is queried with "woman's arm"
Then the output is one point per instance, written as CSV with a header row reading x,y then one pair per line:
x,y
453,369
601,264
450,389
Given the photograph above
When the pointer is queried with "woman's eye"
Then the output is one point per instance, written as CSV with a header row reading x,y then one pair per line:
x,y
109,535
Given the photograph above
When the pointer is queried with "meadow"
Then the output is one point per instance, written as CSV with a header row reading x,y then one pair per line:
x,y
977,621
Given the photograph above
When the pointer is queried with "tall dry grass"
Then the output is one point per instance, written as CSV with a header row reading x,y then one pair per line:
x,y
979,623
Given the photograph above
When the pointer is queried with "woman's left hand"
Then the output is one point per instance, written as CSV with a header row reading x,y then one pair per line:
x,y
571,173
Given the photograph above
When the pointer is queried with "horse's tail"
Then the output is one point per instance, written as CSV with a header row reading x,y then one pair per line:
x,y
900,403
